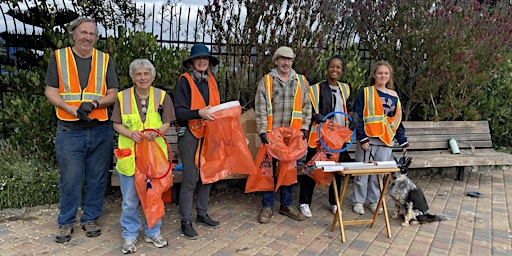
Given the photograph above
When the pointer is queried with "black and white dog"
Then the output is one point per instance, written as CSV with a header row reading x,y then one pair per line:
x,y
410,202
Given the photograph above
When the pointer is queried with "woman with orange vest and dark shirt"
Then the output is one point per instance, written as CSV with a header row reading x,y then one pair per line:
x,y
380,113
195,92
332,96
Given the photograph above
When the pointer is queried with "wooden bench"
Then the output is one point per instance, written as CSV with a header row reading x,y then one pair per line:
x,y
429,145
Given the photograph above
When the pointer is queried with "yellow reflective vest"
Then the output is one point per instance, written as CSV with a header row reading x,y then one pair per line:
x,y
131,119
314,93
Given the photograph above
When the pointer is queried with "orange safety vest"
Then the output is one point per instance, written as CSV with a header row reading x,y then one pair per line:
x,y
376,123
296,121
69,83
196,126
314,93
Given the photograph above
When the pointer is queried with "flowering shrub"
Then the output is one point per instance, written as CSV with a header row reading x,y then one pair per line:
x,y
442,51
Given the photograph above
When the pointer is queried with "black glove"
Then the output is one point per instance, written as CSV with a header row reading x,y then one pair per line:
x,y
319,118
263,137
87,107
82,115
305,133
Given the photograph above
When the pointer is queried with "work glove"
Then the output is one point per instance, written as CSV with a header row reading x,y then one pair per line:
x,y
263,137
87,107
82,115
319,118
305,133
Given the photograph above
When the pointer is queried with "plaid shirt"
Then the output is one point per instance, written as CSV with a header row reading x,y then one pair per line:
x,y
282,102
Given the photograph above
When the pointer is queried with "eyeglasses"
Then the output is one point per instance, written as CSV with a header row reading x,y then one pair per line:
x,y
143,104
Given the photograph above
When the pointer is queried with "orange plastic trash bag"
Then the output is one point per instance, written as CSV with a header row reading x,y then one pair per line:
x,y
286,145
334,136
153,176
263,179
225,149
321,177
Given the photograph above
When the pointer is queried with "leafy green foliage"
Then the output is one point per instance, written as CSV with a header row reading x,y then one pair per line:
x,y
29,122
133,45
354,73
442,51
496,102
26,179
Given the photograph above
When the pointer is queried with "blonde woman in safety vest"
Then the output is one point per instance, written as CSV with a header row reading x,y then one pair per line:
x,y
81,82
196,93
137,108
380,113
326,97
282,100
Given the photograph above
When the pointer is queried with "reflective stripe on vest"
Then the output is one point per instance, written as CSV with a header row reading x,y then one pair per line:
x,y
131,119
69,83
376,123
196,126
314,93
296,121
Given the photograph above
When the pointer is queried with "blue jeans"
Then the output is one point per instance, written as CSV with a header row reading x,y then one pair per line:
x,y
83,153
130,220
285,194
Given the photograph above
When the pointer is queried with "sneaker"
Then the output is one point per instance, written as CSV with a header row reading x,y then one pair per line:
x,y
188,230
373,208
333,208
129,245
64,234
91,229
207,221
304,208
292,212
358,208
265,215
158,240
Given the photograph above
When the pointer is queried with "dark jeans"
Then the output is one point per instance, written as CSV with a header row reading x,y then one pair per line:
x,y
83,153
285,192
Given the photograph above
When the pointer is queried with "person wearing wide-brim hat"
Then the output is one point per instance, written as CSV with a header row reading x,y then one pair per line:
x,y
199,50
195,92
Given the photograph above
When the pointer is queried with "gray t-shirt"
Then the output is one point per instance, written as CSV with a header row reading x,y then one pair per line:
x,y
84,68
337,102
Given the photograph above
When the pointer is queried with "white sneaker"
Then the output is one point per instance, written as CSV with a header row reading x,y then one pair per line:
x,y
304,208
358,208
333,208
373,208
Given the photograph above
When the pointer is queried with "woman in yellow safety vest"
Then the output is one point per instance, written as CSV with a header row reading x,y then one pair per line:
x,y
137,108
379,109
326,97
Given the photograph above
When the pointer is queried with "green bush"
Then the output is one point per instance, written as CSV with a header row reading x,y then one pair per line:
x,y
29,122
26,179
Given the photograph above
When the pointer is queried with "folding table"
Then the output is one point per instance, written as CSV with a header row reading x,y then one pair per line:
x,y
386,168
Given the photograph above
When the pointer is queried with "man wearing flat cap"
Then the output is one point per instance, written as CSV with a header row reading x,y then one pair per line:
x,y
196,93
282,100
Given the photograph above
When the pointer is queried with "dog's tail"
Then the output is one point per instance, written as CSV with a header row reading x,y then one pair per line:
x,y
430,218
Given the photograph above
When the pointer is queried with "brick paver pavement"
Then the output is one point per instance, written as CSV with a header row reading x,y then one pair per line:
x,y
476,226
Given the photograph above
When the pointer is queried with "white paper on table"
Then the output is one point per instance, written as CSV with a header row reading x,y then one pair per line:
x,y
331,166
